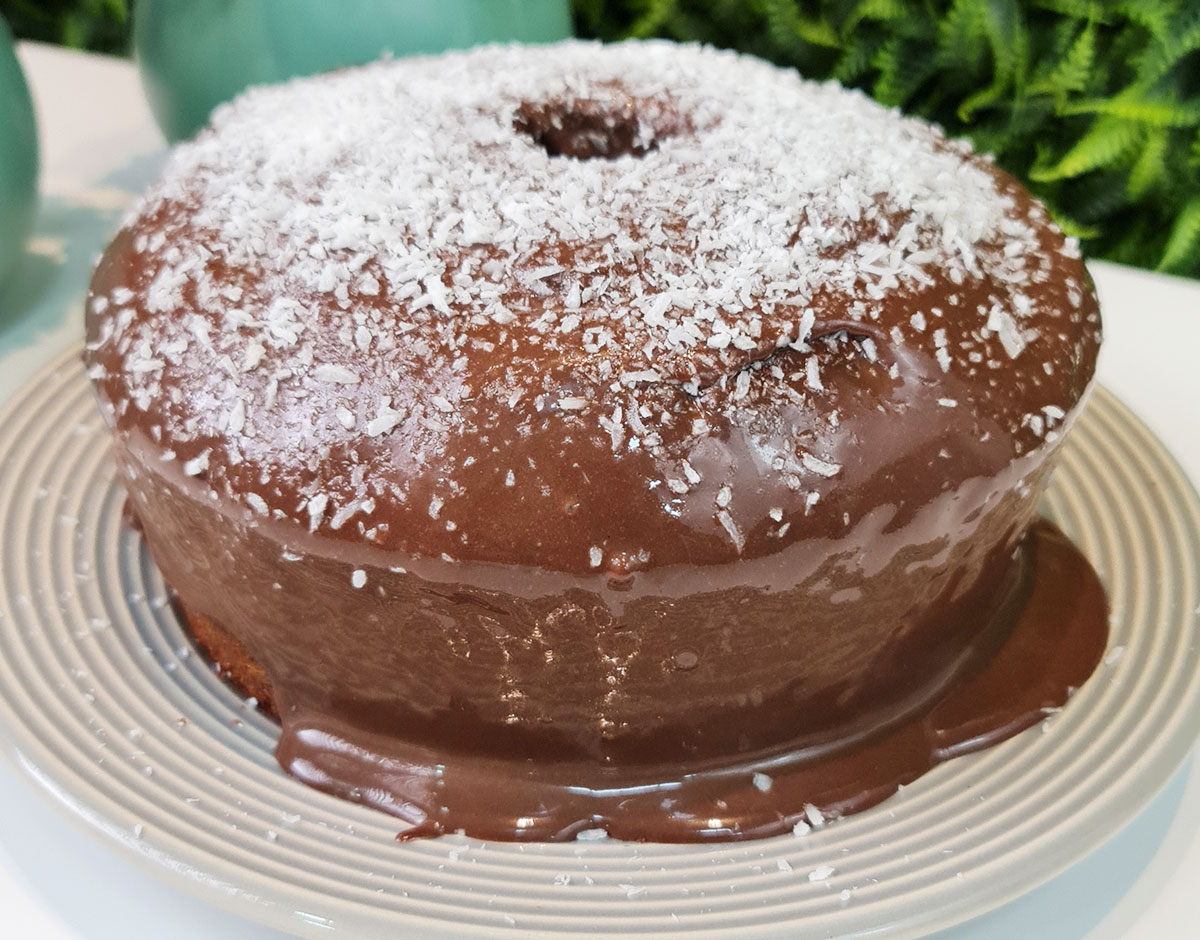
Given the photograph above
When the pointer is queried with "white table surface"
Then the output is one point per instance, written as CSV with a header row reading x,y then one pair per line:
x,y
58,882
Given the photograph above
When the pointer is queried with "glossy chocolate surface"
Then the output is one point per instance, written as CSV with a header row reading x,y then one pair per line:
x,y
1040,645
1039,649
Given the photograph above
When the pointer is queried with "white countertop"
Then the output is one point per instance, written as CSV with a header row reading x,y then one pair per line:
x,y
57,882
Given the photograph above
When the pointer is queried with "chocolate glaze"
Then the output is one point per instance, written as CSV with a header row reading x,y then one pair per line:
x,y
1042,644
1040,648
513,661
371,440
382,700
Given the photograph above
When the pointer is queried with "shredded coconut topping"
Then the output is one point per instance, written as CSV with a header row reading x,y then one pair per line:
x,y
392,254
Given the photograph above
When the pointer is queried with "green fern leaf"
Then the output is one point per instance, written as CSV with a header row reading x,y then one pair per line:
x,y
902,71
1009,38
1008,41
962,35
1169,51
1182,251
1076,229
1129,105
1106,142
1073,71
1072,9
874,11
995,137
656,13
1150,168
856,60
1154,16
786,24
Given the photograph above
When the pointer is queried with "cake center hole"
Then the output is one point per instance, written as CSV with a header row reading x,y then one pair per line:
x,y
609,126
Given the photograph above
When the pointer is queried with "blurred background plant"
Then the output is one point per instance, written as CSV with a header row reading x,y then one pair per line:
x,y
1095,104
98,25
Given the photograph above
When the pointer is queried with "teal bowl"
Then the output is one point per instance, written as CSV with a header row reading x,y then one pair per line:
x,y
18,157
194,54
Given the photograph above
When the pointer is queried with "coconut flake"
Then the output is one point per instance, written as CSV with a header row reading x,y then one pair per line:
x,y
735,534
316,510
820,467
336,375
197,464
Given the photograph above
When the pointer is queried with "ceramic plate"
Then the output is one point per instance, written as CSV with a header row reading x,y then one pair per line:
x,y
105,706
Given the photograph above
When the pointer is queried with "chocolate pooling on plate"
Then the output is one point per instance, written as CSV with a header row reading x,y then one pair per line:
x,y
570,437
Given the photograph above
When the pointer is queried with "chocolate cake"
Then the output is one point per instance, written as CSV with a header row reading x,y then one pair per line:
x,y
579,437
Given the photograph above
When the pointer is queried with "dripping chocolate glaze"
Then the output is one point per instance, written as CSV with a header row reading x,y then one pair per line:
x,y
445,771
1045,642
715,447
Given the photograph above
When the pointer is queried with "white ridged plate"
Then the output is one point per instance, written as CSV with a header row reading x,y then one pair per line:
x,y
104,705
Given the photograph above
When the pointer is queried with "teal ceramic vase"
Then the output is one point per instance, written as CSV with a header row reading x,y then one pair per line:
x,y
18,158
194,54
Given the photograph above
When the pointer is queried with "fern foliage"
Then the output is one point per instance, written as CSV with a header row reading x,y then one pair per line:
x,y
1095,104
